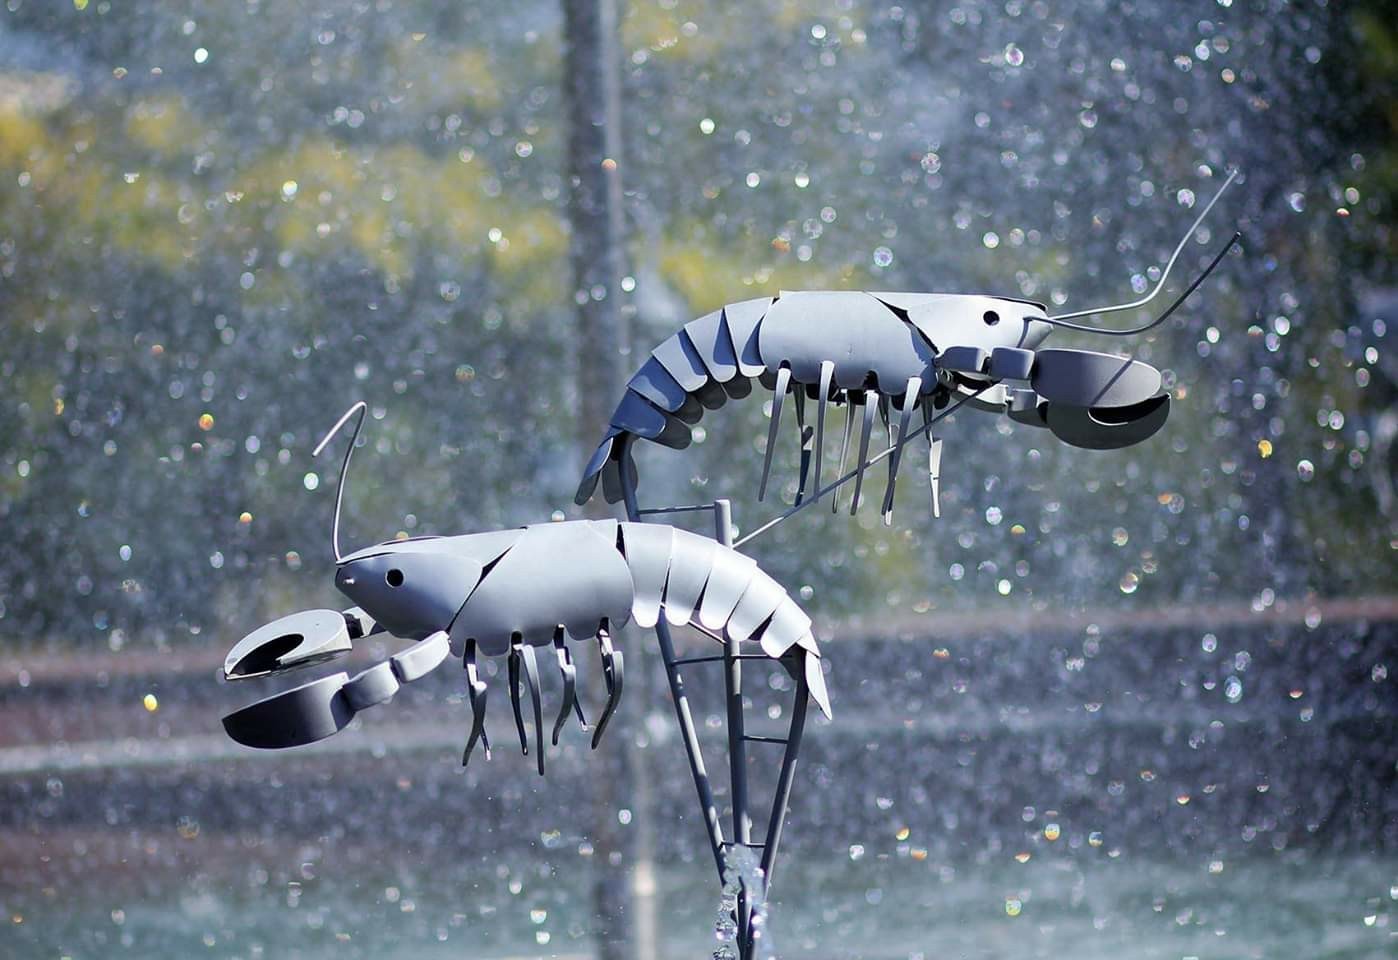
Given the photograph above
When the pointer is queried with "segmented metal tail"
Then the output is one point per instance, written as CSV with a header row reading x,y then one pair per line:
x,y
695,580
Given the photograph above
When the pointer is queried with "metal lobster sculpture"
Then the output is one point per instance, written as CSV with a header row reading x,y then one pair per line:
x,y
505,593
879,352
508,592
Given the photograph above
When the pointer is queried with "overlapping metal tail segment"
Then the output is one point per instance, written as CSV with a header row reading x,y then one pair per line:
x,y
690,579
700,367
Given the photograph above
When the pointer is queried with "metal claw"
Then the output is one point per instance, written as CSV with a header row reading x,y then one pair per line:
x,y
909,402
513,664
613,665
778,397
871,401
299,640
531,676
475,693
570,684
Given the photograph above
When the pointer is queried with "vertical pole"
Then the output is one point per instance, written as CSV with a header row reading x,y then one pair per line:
x,y
592,102
737,738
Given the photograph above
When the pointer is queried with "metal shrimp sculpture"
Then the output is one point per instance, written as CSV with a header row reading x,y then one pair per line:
x,y
505,593
910,352
508,592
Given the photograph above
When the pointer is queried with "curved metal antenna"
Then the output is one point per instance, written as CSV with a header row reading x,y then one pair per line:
x,y
1159,285
360,409
1132,331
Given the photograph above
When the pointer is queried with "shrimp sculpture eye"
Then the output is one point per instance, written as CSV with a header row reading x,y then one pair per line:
x,y
894,357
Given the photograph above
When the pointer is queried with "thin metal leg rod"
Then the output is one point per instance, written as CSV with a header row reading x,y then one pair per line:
x,y
677,695
913,435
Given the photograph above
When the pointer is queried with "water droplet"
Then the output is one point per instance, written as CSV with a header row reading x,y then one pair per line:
x,y
1014,56
1305,470
1233,689
1051,831
150,703
538,915
883,257
311,480
1129,582
1013,906
991,240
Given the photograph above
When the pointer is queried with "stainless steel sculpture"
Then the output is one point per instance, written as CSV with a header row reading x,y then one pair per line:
x,y
509,591
880,352
504,593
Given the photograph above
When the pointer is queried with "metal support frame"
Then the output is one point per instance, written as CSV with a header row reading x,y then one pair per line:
x,y
738,739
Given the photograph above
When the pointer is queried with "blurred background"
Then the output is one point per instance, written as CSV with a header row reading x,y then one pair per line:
x,y
1136,702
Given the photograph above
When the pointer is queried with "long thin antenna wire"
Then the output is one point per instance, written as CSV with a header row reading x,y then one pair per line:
x,y
359,408
1132,331
1160,284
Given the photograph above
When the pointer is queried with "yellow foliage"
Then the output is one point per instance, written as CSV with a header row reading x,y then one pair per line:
x,y
160,124
670,32
22,138
709,275
447,80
